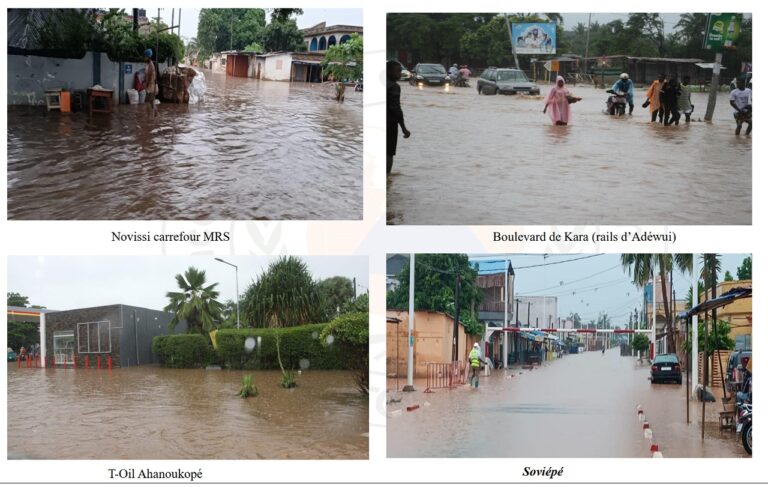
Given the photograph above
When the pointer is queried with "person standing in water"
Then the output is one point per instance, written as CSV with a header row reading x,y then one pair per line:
x,y
395,118
653,99
558,101
474,361
684,99
150,80
741,100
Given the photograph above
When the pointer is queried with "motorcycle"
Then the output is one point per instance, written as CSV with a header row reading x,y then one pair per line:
x,y
616,103
459,81
359,85
745,426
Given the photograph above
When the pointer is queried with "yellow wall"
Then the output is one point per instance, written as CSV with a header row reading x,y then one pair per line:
x,y
433,336
739,313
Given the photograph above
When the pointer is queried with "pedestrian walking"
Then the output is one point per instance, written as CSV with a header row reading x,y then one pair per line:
x,y
652,98
150,80
474,361
395,118
558,101
670,91
684,104
741,100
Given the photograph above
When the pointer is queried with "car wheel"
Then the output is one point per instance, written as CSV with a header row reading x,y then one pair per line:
x,y
680,380
653,381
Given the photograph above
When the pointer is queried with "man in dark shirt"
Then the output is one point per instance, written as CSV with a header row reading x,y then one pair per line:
x,y
394,112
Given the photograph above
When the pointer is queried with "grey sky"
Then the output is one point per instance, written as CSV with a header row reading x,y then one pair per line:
x,y
310,17
615,294
77,282
570,20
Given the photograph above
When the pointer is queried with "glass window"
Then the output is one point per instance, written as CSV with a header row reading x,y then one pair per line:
x,y
94,337
64,346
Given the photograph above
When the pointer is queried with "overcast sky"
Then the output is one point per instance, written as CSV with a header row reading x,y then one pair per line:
x,y
570,20
609,288
62,283
310,17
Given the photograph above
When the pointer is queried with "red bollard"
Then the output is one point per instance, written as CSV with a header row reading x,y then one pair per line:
x,y
18,366
86,361
74,362
109,361
98,361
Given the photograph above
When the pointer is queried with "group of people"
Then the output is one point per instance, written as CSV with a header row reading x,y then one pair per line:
x,y
32,352
668,100
455,71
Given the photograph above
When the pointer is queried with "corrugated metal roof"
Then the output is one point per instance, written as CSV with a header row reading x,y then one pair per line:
x,y
486,267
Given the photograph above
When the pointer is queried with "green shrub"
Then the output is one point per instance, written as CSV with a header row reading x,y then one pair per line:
x,y
296,343
183,351
350,336
248,389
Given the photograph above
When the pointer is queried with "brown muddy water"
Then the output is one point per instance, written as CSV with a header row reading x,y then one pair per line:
x,y
253,150
154,413
580,406
475,159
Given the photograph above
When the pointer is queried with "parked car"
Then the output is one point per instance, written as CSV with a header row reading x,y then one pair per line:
x,y
735,361
11,355
666,367
405,75
429,74
505,81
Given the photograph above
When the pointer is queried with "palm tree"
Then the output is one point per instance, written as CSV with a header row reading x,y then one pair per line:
x,y
641,268
196,303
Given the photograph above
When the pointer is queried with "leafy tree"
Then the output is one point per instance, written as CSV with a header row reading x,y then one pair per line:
x,y
640,341
254,47
22,334
350,332
728,276
359,305
282,36
345,61
283,296
196,303
282,15
223,29
16,299
744,271
335,293
718,338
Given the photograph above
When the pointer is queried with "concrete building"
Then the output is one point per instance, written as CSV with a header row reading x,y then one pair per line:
x,y
121,332
275,66
433,340
395,264
320,37
536,311
737,314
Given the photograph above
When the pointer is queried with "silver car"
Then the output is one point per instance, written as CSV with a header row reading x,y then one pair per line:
x,y
505,81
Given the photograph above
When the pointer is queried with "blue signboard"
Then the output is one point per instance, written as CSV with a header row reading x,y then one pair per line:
x,y
535,38
128,68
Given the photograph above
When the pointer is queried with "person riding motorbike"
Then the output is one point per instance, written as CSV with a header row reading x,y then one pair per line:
x,y
625,85
453,71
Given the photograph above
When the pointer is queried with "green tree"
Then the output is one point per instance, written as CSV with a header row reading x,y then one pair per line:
x,y
744,271
640,342
728,276
196,303
359,305
283,296
335,293
345,61
16,299
224,29
282,36
350,332
282,15
717,338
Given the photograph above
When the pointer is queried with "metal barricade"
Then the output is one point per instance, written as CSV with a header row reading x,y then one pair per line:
x,y
445,375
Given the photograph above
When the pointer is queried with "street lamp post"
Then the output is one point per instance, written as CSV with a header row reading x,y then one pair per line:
x,y
237,288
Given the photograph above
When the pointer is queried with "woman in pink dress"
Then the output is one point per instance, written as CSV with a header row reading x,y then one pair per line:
x,y
558,102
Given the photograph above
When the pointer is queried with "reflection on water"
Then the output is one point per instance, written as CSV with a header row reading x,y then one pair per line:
x,y
502,162
153,413
252,150
580,406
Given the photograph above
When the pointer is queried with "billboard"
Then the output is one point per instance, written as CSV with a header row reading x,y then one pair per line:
x,y
535,38
722,31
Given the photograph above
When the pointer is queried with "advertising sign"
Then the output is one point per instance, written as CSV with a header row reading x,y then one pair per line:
x,y
722,31
535,38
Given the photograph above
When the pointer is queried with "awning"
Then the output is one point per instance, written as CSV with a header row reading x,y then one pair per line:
x,y
718,302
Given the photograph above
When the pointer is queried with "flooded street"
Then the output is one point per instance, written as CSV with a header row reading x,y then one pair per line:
x,y
578,406
153,413
475,159
253,150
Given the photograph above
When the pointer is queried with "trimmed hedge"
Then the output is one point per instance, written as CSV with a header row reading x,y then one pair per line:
x,y
296,343
188,351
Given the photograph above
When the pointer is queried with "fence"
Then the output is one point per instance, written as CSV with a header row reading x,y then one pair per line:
x,y
445,375
718,363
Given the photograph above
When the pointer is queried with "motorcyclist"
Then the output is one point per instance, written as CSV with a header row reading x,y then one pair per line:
x,y
465,72
625,85
453,71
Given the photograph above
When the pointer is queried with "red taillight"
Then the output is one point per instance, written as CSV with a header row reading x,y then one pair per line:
x,y
654,368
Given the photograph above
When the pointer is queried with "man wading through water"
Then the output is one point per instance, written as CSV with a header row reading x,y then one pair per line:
x,y
474,362
150,81
395,118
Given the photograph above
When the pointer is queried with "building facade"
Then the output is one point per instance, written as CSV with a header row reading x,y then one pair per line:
x,y
320,37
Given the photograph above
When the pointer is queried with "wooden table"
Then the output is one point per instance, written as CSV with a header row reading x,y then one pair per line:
x,y
105,95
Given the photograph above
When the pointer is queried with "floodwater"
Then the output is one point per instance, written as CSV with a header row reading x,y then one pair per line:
x,y
254,150
475,159
153,413
581,406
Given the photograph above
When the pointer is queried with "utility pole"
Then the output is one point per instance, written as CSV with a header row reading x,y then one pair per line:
x,y
512,42
517,310
456,298
586,50
695,320
354,288
529,314
411,286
